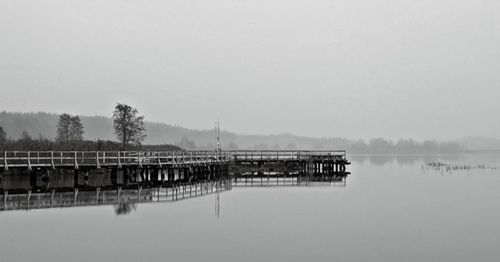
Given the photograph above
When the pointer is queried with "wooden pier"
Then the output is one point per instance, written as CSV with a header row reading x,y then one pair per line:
x,y
102,159
41,175
289,167
64,169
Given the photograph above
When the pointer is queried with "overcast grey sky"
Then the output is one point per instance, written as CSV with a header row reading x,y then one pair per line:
x,y
352,68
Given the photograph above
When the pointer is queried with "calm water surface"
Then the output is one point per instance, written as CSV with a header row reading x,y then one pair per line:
x,y
392,209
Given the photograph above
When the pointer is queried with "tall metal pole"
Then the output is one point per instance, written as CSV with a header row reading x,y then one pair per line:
x,y
218,147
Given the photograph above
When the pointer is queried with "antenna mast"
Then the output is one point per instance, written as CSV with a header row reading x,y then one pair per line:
x,y
218,148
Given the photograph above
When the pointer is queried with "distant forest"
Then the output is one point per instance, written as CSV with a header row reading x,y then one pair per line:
x,y
44,125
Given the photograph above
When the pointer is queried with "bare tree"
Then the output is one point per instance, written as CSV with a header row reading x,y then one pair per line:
x,y
69,128
129,126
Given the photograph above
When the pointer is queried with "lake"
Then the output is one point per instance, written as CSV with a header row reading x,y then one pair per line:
x,y
392,208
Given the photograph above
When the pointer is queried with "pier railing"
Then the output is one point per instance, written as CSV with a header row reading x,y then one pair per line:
x,y
285,155
97,159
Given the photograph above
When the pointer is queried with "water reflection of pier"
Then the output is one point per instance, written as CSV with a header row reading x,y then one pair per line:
x,y
276,181
121,198
76,198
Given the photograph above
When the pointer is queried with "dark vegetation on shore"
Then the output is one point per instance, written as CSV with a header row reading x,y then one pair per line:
x,y
449,168
45,144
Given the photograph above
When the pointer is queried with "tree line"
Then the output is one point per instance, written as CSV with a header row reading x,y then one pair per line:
x,y
129,129
374,145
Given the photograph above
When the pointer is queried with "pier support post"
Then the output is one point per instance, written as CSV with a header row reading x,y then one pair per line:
x,y
142,175
46,178
162,175
86,177
126,176
33,178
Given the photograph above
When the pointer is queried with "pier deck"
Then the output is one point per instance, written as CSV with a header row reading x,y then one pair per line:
x,y
47,172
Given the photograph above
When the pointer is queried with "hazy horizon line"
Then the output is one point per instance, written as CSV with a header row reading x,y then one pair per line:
x,y
284,133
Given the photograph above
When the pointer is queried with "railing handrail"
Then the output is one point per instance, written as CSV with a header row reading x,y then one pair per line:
x,y
285,150
99,158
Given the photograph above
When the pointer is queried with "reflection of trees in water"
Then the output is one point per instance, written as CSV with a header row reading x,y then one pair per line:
x,y
358,159
403,159
380,160
124,208
377,160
